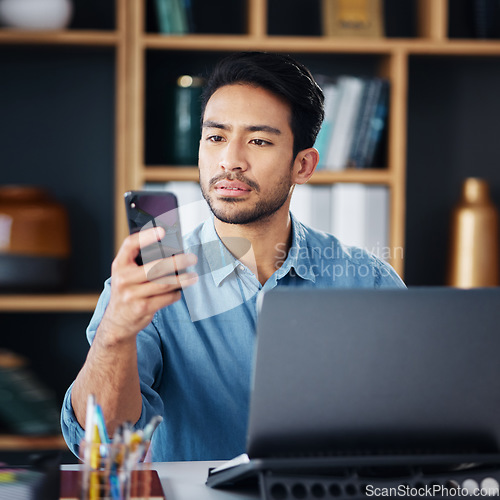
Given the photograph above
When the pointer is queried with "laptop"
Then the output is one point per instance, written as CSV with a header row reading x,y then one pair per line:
x,y
364,376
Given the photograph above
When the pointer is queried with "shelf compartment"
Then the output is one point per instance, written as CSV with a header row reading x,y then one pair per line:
x,y
76,302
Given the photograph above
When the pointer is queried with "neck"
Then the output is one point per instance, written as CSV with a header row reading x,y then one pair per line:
x,y
269,240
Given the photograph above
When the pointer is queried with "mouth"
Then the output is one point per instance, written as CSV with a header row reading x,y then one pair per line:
x,y
227,188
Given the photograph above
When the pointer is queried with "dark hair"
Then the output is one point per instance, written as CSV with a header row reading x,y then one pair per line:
x,y
282,76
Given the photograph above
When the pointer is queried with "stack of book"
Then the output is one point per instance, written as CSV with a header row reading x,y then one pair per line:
x,y
357,214
174,16
355,119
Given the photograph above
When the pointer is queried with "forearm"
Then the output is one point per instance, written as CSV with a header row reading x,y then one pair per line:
x,y
111,373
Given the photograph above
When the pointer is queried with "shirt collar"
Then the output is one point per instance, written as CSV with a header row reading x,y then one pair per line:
x,y
298,256
220,260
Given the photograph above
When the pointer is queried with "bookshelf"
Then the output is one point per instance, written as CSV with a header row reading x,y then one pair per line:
x,y
141,61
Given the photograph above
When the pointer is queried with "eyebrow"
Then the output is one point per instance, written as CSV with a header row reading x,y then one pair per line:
x,y
249,128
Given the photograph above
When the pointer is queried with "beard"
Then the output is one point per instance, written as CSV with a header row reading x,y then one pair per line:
x,y
227,210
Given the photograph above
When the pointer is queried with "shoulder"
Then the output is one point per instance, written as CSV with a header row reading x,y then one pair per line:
x,y
348,265
322,245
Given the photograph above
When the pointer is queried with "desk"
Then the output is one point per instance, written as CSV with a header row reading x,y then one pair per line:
x,y
186,481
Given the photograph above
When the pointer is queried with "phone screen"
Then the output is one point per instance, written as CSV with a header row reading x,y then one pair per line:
x,y
147,209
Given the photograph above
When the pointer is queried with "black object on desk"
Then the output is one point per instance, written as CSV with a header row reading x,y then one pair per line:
x,y
404,380
37,481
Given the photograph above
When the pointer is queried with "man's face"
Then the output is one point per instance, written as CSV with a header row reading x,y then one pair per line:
x,y
246,154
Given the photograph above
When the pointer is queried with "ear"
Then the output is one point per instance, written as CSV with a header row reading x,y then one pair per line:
x,y
305,165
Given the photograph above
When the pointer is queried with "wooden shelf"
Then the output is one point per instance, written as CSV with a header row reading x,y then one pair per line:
x,y
267,43
451,47
380,46
83,302
12,442
59,37
368,176
165,174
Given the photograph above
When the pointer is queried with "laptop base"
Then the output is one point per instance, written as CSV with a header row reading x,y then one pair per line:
x,y
437,476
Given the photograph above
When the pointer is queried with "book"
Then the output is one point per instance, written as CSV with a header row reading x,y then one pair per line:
x,y
360,216
311,206
301,203
180,21
372,98
350,90
172,17
376,128
376,238
27,406
188,12
145,483
322,143
348,213
163,16
321,208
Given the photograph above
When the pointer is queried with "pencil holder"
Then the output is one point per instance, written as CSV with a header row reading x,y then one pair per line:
x,y
109,471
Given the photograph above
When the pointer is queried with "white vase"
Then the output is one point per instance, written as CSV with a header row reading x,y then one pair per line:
x,y
36,14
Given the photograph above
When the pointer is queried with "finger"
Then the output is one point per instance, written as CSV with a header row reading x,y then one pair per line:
x,y
162,287
160,301
175,282
138,275
133,243
170,265
135,308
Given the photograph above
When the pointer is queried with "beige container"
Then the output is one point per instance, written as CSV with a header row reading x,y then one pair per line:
x,y
473,252
33,223
34,240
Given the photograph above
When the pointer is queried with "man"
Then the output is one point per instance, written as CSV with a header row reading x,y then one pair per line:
x,y
187,355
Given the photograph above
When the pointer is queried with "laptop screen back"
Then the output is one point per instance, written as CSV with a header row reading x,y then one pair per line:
x,y
349,372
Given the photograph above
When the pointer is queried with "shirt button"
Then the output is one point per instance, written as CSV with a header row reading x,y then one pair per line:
x,y
241,268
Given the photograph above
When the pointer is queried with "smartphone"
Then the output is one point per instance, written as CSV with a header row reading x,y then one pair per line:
x,y
147,209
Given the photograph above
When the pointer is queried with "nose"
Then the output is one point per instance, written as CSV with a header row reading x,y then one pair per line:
x,y
233,157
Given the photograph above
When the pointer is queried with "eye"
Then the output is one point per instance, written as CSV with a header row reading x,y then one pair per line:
x,y
260,142
215,138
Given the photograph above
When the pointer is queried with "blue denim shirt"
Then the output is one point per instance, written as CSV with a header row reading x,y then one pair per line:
x,y
196,355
